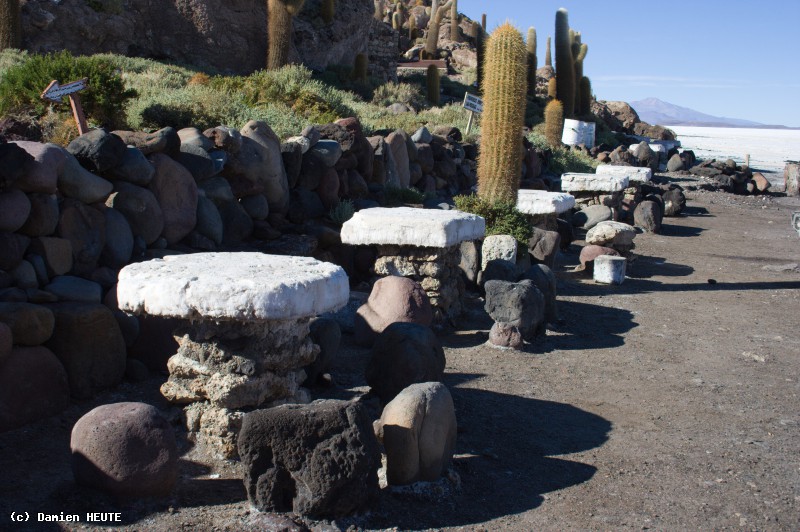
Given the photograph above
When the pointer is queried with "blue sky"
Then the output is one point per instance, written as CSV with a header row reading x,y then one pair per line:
x,y
734,58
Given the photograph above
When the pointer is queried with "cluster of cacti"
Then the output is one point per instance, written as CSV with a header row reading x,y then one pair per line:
x,y
10,25
360,68
454,35
437,14
554,122
548,58
327,9
565,64
432,82
532,63
504,89
280,13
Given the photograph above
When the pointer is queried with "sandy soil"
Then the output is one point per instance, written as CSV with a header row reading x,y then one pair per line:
x,y
669,402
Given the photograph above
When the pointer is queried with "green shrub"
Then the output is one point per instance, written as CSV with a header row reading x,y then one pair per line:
x,y
397,196
563,159
342,212
103,101
502,218
405,93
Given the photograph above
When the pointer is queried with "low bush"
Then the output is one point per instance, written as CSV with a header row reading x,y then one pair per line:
x,y
502,218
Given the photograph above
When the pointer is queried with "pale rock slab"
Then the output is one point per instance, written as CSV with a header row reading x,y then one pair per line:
x,y
407,226
503,247
572,182
635,175
537,202
616,234
232,286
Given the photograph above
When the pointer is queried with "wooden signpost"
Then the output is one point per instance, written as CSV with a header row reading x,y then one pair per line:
x,y
55,93
473,104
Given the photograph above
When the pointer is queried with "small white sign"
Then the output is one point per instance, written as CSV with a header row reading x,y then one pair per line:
x,y
473,103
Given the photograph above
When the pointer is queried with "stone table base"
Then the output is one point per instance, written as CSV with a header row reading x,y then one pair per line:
x,y
225,368
436,269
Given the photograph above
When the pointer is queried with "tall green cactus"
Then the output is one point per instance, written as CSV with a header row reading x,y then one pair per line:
x,y
480,41
580,55
551,88
327,9
565,65
397,21
280,13
10,25
378,13
585,106
532,63
548,58
554,123
432,83
432,40
454,36
504,88
360,68
483,21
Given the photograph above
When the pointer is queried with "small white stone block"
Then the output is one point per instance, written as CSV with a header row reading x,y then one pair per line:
x,y
609,269
634,174
232,286
498,247
544,202
406,226
593,183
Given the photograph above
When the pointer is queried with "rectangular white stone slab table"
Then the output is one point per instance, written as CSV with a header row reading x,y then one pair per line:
x,y
421,244
543,207
594,189
246,340
634,174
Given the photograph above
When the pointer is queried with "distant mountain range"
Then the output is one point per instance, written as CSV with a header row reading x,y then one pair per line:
x,y
655,111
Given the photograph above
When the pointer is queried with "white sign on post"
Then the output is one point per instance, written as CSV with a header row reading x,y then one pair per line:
x,y
473,104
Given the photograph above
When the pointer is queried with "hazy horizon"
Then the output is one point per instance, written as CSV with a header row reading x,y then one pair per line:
x,y
720,58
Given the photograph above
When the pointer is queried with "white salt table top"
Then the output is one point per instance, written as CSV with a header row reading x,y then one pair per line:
x,y
232,286
593,183
406,226
544,202
634,174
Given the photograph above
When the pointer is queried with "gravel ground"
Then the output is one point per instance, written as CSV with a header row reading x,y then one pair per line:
x,y
669,402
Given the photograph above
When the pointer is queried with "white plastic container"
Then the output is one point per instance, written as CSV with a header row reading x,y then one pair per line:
x,y
609,269
577,132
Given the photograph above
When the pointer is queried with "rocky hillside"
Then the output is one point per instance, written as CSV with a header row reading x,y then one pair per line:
x,y
227,35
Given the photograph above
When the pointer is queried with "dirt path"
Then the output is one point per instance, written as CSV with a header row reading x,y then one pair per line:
x,y
665,403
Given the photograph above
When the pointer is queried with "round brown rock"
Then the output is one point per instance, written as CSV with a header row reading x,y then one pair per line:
x,y
504,334
33,386
393,299
125,449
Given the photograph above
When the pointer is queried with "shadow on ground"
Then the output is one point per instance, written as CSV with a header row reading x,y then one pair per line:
x,y
505,458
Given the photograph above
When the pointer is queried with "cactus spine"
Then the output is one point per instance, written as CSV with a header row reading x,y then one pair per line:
x,y
585,106
504,89
360,68
531,46
432,82
554,123
10,25
454,36
280,13
565,65
548,58
327,10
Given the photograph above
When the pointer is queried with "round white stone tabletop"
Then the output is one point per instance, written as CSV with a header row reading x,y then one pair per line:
x,y
232,286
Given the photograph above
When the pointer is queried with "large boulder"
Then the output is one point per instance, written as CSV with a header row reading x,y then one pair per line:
x,y
648,216
14,210
545,280
98,150
592,215
33,385
140,207
520,304
88,341
133,168
544,245
43,217
30,324
612,234
643,129
85,228
404,354
176,192
418,431
40,173
618,116
75,181
393,299
674,202
127,450
322,458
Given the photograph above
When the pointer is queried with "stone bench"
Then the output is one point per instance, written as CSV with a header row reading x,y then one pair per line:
x,y
421,244
544,207
246,340
594,189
